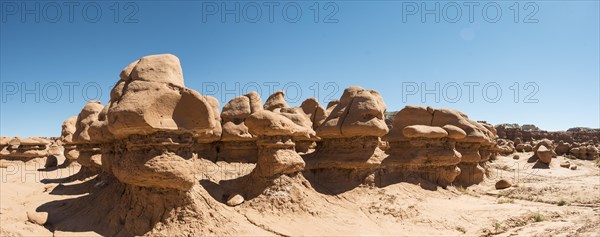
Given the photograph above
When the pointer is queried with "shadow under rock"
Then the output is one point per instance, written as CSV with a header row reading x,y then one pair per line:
x,y
249,186
82,174
84,213
540,165
89,186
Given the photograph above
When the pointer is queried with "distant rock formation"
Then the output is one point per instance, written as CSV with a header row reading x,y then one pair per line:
x,y
25,149
575,141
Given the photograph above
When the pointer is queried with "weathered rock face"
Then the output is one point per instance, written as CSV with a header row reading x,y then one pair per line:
x,y
150,97
316,115
158,125
276,151
276,103
315,112
359,113
237,144
297,115
160,160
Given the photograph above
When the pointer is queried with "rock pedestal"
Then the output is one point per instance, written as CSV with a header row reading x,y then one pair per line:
x,y
276,148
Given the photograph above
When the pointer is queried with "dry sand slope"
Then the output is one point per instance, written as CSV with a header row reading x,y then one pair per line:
x,y
543,202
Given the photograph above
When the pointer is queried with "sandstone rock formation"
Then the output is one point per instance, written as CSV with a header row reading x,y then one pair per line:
x,y
70,149
350,135
237,144
315,112
503,184
524,147
297,115
544,154
149,142
276,101
504,146
474,142
276,147
417,147
475,148
88,149
24,149
530,133
156,123
585,151
4,143
562,148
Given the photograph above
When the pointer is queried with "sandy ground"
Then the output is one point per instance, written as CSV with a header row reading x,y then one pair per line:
x,y
544,201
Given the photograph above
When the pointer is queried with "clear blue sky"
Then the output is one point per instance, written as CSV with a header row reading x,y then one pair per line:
x,y
379,45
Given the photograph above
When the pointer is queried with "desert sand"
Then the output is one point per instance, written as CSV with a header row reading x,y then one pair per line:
x,y
398,209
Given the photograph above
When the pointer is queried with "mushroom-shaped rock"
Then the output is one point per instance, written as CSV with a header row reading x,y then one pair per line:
x,y
25,149
68,129
276,152
297,115
86,148
158,124
409,115
544,154
418,148
276,101
477,140
237,144
87,116
350,135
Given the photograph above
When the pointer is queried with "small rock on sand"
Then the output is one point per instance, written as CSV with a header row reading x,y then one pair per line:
x,y
234,200
502,184
39,218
